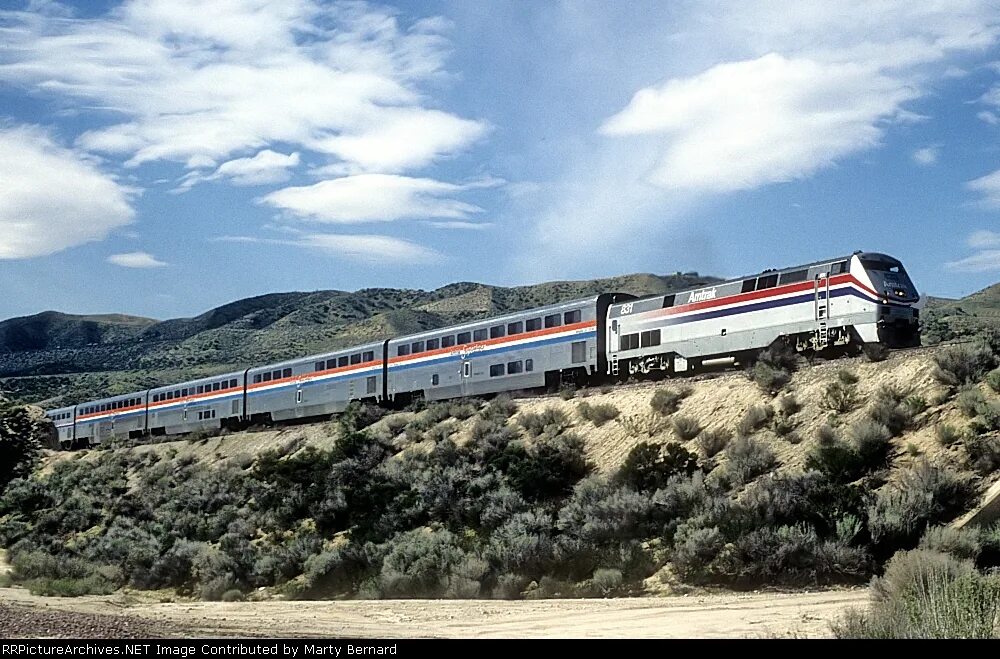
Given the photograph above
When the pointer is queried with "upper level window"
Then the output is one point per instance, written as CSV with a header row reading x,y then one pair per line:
x,y
532,324
464,337
571,317
417,346
497,331
356,358
402,350
749,285
433,344
515,328
793,277
767,281
447,341
479,335
552,320
368,356
342,361
320,366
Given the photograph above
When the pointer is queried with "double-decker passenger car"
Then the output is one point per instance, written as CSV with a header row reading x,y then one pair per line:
x,y
316,385
521,350
110,418
64,422
203,404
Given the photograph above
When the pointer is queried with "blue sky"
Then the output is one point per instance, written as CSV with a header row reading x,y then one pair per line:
x,y
161,157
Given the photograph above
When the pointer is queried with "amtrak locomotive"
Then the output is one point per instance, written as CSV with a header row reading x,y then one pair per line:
x,y
843,303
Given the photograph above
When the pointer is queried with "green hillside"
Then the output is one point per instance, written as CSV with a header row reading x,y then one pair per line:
x,y
945,320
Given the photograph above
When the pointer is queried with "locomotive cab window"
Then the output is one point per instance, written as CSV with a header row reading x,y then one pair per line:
x,y
793,277
768,281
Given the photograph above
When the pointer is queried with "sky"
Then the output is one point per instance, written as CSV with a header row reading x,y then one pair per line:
x,y
163,157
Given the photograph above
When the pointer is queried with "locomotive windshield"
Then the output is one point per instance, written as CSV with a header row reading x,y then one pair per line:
x,y
890,279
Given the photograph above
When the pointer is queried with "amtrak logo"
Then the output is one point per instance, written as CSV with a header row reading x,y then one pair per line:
x,y
701,296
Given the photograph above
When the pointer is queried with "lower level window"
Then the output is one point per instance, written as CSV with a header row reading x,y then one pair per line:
x,y
370,384
529,365
435,379
496,370
514,367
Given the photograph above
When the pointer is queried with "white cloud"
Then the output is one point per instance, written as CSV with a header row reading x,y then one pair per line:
x,y
52,198
988,117
196,82
928,155
374,249
740,125
372,198
982,239
987,256
264,168
988,188
136,260
470,226
987,260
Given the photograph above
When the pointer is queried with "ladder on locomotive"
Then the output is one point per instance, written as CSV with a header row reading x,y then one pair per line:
x,y
821,305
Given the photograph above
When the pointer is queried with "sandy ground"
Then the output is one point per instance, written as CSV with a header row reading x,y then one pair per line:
x,y
757,615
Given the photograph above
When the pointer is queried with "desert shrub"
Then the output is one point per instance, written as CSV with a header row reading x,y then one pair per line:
x,y
788,554
875,352
601,526
463,409
597,413
782,425
685,427
711,442
234,595
769,377
960,543
871,441
894,416
923,495
523,545
840,397
546,468
358,416
694,550
926,594
983,453
756,417
45,574
958,365
21,440
993,380
844,461
746,459
395,424
567,393
946,434
916,404
666,401
988,420
429,563
644,425
847,377
774,367
649,466
970,401
789,405
510,586
607,581
499,409
551,421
